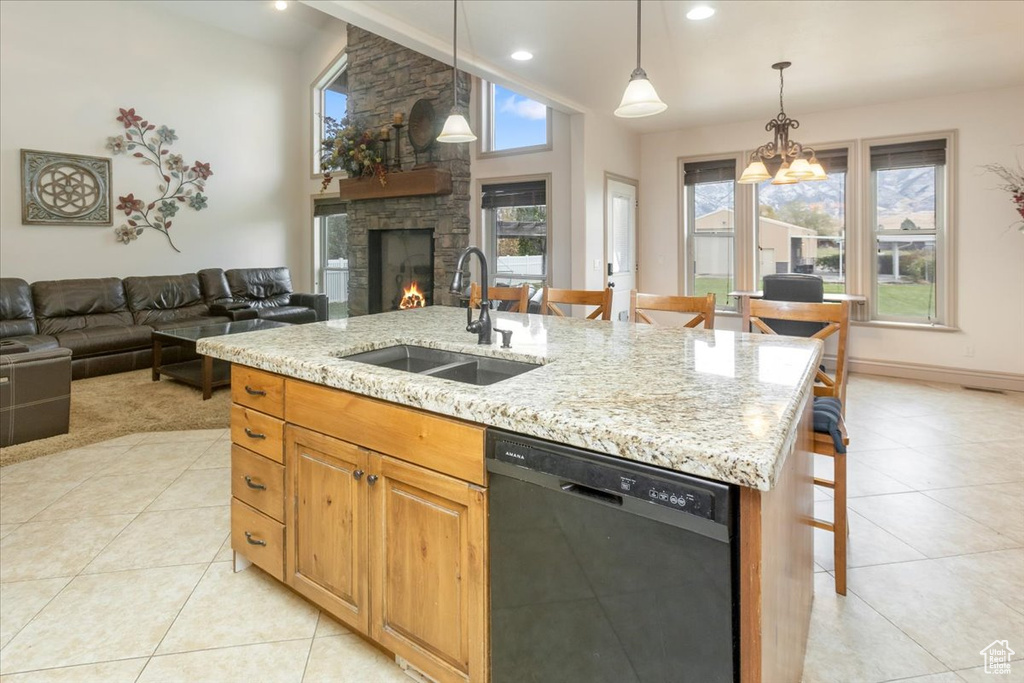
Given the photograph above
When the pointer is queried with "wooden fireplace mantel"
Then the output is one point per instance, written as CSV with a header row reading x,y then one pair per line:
x,y
425,181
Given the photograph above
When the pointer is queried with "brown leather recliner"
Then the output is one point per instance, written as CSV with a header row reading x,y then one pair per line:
x,y
269,291
35,393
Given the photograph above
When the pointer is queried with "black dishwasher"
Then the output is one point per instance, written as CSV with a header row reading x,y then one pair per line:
x,y
607,570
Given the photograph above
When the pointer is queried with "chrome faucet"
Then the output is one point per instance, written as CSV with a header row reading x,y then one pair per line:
x,y
482,326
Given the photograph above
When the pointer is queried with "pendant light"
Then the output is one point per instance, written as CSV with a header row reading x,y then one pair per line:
x,y
456,127
640,99
795,166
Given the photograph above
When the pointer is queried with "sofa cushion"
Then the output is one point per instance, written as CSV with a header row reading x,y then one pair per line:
x,y
214,286
260,287
164,298
35,342
828,418
16,314
297,315
96,341
64,305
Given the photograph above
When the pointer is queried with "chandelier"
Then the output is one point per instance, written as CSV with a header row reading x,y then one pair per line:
x,y
798,161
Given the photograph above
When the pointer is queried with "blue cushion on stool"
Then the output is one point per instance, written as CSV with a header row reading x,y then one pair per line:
x,y
828,413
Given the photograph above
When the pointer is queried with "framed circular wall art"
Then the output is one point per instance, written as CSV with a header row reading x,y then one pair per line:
x,y
65,189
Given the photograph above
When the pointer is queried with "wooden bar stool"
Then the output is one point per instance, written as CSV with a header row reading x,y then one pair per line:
x,y
518,297
702,306
830,437
602,298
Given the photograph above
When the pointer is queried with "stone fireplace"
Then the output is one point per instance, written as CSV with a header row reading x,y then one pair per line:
x,y
401,272
384,79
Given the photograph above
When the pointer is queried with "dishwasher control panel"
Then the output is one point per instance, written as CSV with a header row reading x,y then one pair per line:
x,y
615,479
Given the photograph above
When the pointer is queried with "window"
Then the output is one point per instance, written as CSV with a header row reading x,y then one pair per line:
x,y
329,100
514,122
332,230
710,200
908,220
515,218
801,228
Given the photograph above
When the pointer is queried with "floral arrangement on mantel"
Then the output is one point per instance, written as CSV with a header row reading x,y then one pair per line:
x,y
359,152
181,184
1014,184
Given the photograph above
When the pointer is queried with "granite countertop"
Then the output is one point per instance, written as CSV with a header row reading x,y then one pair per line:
x,y
716,404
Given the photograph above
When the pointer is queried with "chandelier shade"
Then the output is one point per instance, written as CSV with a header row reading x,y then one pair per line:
x,y
798,162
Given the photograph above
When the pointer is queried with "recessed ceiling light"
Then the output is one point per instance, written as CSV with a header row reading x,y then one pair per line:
x,y
700,12
522,56
281,5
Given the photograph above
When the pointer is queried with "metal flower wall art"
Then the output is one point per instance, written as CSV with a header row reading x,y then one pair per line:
x,y
180,184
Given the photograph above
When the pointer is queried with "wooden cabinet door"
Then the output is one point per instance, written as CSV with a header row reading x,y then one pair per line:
x,y
326,524
428,569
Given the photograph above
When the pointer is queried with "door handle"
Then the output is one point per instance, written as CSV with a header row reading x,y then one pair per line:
x,y
254,435
358,474
372,479
253,541
611,284
250,484
610,273
254,392
588,492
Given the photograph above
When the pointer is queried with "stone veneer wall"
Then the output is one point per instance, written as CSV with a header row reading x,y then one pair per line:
x,y
385,78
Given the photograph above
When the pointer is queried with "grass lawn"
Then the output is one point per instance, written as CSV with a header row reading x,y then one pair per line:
x,y
721,286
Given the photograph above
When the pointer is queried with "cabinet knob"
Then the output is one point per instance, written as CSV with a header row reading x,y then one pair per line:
x,y
250,484
254,392
254,435
372,479
358,474
253,541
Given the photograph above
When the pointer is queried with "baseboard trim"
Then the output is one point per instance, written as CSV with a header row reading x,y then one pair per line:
x,y
936,373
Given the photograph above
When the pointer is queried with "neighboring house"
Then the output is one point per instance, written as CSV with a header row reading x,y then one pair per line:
x,y
782,244
997,657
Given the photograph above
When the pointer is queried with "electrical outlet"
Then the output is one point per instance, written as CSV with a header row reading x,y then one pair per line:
x,y
969,351
597,264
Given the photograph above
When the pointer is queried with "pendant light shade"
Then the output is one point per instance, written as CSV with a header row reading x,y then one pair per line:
x,y
782,177
640,98
817,170
755,173
456,127
800,169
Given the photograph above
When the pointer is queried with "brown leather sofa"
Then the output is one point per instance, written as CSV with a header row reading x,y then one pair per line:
x,y
107,323
35,393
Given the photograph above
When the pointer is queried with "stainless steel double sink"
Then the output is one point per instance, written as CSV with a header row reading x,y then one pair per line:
x,y
459,367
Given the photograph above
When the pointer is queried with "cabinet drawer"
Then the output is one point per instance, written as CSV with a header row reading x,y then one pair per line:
x,y
258,482
258,432
438,443
258,538
258,389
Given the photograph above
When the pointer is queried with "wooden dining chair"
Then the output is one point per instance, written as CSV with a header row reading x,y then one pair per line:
x,y
518,297
602,298
702,306
830,436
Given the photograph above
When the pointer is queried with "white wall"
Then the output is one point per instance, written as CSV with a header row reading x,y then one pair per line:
x,y
66,67
990,283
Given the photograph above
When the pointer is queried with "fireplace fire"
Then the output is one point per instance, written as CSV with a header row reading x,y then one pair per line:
x,y
412,298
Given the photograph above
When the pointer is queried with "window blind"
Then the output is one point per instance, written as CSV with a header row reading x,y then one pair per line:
x,y
717,171
529,193
832,160
328,207
908,155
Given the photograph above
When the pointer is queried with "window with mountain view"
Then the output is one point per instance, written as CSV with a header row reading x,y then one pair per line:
x,y
515,122
710,198
801,228
516,220
908,200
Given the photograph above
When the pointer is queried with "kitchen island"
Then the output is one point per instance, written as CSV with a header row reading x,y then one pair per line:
x,y
729,407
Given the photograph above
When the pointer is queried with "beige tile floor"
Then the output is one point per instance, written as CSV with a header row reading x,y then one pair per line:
x,y
115,563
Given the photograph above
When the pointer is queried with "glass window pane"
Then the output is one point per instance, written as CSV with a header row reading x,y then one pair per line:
x,y
622,237
714,239
336,97
802,229
517,121
334,252
522,243
906,277
905,198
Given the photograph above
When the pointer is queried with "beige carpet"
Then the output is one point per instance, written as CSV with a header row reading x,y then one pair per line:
x,y
114,405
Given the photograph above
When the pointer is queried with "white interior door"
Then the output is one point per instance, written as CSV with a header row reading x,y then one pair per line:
x,y
620,247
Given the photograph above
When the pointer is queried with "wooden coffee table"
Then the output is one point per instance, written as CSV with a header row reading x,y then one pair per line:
x,y
204,372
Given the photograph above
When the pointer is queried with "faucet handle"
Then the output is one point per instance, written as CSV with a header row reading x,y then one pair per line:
x,y
506,338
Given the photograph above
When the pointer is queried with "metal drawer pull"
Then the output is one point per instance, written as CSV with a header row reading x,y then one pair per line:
x,y
358,474
253,541
254,435
254,392
372,479
258,487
